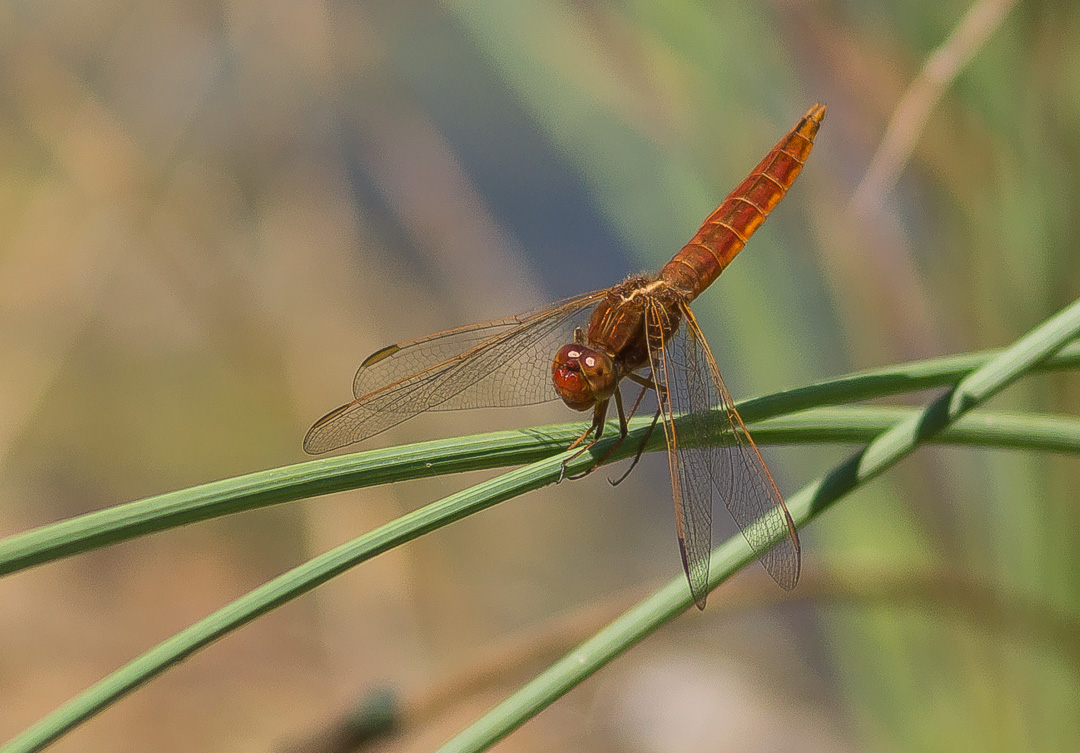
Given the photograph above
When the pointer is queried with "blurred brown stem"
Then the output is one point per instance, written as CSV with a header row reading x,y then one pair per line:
x,y
852,583
913,111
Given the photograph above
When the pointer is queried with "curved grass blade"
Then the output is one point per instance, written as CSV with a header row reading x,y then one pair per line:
x,y
1050,433
373,467
285,588
887,449
827,424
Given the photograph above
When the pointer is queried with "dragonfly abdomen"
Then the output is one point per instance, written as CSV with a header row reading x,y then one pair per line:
x,y
727,230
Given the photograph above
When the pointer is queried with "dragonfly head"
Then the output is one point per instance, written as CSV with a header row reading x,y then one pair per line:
x,y
583,377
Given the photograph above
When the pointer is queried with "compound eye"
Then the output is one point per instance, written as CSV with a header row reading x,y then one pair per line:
x,y
582,376
599,370
569,380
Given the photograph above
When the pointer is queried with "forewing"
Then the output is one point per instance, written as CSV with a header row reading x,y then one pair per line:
x,y
730,458
393,362
494,364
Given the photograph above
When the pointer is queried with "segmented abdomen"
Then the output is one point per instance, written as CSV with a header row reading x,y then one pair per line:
x,y
727,229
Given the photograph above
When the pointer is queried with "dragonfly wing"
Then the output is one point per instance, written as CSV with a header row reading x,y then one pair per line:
x,y
495,364
687,460
736,468
389,364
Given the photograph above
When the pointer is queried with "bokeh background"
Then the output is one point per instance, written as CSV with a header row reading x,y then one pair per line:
x,y
211,212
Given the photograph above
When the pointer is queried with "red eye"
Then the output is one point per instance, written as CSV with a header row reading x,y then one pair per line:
x,y
570,381
582,376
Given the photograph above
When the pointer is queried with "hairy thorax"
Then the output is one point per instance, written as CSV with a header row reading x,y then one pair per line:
x,y
636,312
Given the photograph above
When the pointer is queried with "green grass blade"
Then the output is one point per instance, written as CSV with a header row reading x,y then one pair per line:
x,y
886,450
334,474
826,424
860,424
284,588
264,488
845,424
373,467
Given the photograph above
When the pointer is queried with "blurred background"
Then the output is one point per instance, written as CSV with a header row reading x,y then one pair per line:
x,y
211,212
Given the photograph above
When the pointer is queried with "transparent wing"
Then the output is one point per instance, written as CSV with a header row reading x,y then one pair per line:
x,y
494,364
393,362
690,477
712,452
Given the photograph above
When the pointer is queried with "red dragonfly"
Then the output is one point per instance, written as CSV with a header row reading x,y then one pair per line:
x,y
641,330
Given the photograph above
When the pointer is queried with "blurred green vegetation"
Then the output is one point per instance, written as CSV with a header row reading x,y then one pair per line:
x,y
209,214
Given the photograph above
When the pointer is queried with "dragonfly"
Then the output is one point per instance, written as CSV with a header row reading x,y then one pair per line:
x,y
582,349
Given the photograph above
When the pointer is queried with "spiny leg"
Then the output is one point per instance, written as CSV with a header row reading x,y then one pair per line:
x,y
622,435
599,416
640,451
597,425
647,383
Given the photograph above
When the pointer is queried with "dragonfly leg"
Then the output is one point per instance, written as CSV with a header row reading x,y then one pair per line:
x,y
599,415
616,443
644,381
646,384
640,451
597,426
